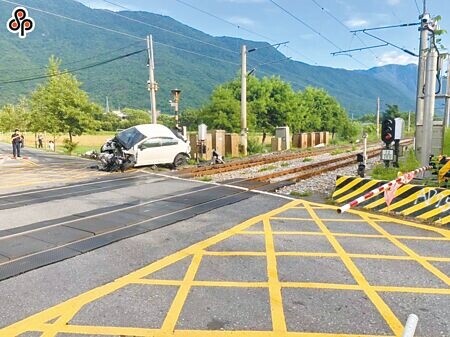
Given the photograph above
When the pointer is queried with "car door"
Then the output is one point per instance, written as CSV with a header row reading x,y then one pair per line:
x,y
150,152
170,148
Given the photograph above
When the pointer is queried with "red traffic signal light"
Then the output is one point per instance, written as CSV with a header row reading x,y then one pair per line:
x,y
388,130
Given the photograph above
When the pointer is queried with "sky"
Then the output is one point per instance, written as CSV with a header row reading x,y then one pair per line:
x,y
314,28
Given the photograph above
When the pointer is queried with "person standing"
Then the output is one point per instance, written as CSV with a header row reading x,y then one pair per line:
x,y
40,139
16,140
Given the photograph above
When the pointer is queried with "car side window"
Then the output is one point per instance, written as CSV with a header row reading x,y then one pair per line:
x,y
152,142
167,141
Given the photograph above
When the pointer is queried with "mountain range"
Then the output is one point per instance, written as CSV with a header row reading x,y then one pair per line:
x,y
185,58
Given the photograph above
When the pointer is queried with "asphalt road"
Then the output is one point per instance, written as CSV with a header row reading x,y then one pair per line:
x,y
262,266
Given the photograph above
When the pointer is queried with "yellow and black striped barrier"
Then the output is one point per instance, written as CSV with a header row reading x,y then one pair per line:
x,y
426,203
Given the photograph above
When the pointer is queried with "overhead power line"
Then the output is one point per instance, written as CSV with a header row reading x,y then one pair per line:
x,y
417,6
164,29
195,53
112,30
78,60
97,64
312,29
334,17
75,20
242,28
365,31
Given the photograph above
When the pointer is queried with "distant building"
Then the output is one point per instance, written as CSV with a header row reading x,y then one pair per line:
x,y
119,114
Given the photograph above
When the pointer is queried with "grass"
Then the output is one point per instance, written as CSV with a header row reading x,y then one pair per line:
x,y
446,149
267,168
284,164
336,152
205,178
85,142
307,159
409,163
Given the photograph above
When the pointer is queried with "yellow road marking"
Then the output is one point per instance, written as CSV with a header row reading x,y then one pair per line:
x,y
140,332
180,298
38,319
276,298
438,291
381,306
411,253
65,311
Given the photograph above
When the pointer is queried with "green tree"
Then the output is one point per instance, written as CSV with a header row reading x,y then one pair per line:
x,y
272,102
61,106
167,120
15,116
135,117
392,110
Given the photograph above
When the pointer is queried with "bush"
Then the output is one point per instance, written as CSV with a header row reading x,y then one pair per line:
x,y
69,146
254,146
410,163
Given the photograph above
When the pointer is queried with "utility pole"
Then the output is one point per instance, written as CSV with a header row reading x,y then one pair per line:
x,y
243,140
447,97
409,121
107,105
429,102
151,82
378,117
421,79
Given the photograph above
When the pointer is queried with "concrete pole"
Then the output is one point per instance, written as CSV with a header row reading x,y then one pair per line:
x,y
429,102
151,84
243,142
447,98
378,117
409,121
420,83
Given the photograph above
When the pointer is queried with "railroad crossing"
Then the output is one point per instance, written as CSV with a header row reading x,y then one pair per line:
x,y
246,263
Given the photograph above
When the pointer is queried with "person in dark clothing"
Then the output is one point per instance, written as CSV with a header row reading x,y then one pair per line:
x,y
16,140
40,139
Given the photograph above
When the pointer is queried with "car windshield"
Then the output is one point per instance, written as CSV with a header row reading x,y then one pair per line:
x,y
129,137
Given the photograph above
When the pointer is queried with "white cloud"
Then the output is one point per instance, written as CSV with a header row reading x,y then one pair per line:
x,y
241,21
352,23
395,57
393,2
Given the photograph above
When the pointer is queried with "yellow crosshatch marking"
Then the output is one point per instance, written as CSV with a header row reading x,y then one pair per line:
x,y
58,319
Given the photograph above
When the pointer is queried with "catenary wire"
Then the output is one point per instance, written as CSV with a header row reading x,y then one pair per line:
x,y
329,13
115,31
164,29
417,6
242,28
78,60
312,29
195,53
74,70
75,20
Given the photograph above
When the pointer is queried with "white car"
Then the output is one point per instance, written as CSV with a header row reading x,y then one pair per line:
x,y
150,144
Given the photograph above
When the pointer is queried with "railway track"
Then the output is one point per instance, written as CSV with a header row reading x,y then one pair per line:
x,y
194,172
275,180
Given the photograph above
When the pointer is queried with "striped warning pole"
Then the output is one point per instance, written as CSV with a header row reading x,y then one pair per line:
x,y
405,178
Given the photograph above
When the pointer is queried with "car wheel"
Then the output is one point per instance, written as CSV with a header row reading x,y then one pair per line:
x,y
180,160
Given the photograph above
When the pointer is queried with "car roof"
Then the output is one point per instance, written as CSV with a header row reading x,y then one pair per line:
x,y
154,130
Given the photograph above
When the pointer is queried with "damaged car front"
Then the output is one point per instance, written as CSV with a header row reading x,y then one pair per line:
x,y
146,144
